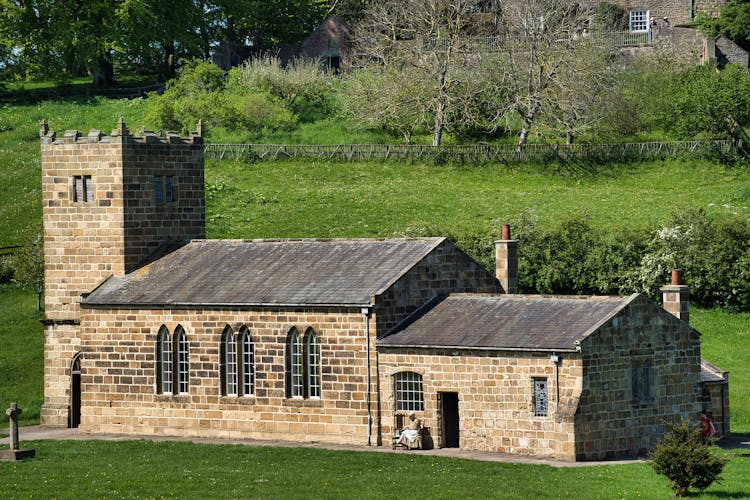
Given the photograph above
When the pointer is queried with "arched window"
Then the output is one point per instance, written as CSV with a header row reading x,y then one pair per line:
x,y
164,361
247,363
182,358
312,361
294,365
408,389
228,363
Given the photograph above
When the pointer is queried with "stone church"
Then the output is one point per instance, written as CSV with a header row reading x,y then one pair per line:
x,y
151,329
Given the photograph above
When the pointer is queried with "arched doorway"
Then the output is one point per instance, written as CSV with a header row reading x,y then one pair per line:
x,y
74,416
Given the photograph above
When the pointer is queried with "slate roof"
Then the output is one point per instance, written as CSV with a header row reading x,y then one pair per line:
x,y
505,322
712,374
267,272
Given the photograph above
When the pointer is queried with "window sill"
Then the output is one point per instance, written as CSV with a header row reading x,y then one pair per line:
x,y
172,398
305,403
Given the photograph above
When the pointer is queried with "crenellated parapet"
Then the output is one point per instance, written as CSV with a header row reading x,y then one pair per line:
x,y
120,134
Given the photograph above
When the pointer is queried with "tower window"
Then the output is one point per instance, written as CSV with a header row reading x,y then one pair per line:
x,y
164,189
84,188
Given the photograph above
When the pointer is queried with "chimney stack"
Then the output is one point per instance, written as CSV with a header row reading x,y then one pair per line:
x,y
506,262
676,297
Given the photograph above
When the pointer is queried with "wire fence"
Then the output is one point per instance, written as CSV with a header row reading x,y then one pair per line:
x,y
480,153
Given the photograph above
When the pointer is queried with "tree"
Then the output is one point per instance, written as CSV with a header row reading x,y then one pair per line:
x,y
704,101
385,99
156,34
733,22
552,61
427,41
685,458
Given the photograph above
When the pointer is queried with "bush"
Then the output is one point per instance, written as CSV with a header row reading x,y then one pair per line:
x,y
712,252
686,459
195,95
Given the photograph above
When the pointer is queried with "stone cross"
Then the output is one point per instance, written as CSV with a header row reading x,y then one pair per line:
x,y
13,413
14,453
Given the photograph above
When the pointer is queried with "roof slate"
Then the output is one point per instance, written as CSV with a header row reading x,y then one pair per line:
x,y
505,322
267,272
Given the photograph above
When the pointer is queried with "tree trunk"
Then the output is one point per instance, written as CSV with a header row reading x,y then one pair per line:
x,y
528,120
437,136
103,72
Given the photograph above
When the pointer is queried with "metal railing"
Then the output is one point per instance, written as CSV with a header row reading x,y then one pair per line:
x,y
480,153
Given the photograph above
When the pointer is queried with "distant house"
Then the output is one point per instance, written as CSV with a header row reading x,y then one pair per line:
x,y
328,43
678,12
151,329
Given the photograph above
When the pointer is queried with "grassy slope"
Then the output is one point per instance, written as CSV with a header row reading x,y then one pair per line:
x,y
21,354
367,199
725,342
325,199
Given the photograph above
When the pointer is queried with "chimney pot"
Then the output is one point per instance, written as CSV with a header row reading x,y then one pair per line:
x,y
676,276
506,231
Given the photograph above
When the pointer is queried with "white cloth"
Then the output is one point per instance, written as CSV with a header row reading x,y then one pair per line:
x,y
408,436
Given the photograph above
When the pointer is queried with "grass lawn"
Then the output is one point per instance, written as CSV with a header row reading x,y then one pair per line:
x,y
21,355
725,342
365,199
88,469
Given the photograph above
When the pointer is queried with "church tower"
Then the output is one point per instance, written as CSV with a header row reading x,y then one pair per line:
x,y
110,204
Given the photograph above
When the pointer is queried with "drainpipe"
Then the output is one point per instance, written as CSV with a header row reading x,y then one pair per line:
x,y
556,360
366,311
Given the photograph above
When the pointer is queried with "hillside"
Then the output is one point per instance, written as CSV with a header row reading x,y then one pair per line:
x,y
369,199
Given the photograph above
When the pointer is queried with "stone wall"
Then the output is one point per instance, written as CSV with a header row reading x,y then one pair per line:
x,y
119,376
495,392
115,226
61,343
447,269
88,240
613,419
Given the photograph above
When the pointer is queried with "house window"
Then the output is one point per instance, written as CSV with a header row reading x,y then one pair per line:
x,y
182,360
638,20
164,357
408,388
294,364
313,364
641,381
163,189
247,363
541,397
228,363
83,188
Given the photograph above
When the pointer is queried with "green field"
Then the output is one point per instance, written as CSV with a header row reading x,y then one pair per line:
x,y
138,469
365,199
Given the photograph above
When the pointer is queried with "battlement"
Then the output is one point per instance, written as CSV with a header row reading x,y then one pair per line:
x,y
120,135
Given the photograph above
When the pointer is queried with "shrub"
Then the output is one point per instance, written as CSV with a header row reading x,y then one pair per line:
x,y
260,112
301,87
712,252
686,459
195,95
556,260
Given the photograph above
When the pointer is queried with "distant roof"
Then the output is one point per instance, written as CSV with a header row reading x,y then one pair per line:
x,y
712,373
267,272
505,322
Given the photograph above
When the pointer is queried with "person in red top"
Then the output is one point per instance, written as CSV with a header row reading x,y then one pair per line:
x,y
707,426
